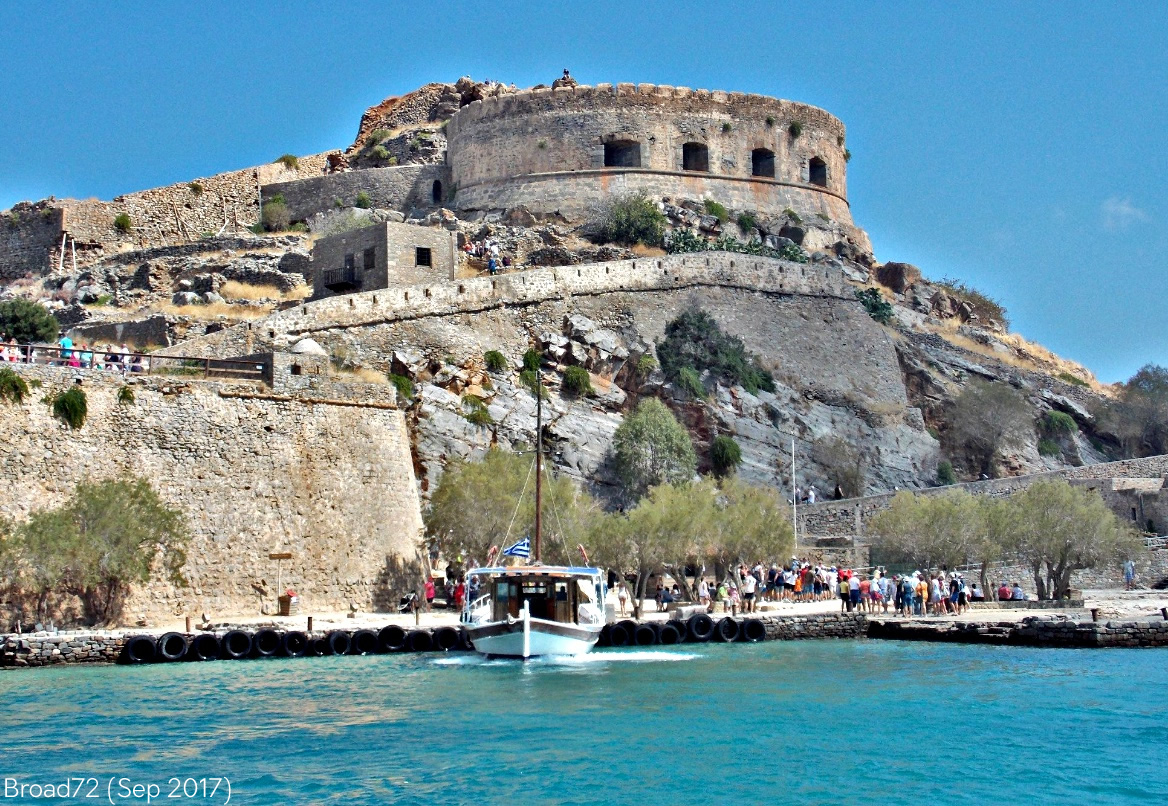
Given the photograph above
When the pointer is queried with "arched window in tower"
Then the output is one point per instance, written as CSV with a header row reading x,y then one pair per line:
x,y
762,162
436,192
622,154
817,172
695,157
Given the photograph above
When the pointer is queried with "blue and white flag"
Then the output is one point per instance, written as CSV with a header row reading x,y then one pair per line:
x,y
521,548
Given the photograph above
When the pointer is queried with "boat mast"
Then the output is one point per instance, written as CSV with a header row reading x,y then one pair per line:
x,y
538,462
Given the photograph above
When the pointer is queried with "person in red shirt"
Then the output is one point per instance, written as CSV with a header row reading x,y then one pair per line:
x,y
1004,593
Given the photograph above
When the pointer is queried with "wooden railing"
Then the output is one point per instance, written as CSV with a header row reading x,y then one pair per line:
x,y
80,357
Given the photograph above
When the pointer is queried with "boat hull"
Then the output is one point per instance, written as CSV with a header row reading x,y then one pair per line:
x,y
505,638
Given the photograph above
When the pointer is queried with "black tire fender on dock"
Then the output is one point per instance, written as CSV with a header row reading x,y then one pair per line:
x,y
266,643
604,638
339,642
392,638
364,643
645,634
700,627
140,649
420,641
446,638
318,647
204,646
294,645
669,634
618,635
682,630
172,646
727,630
236,644
753,630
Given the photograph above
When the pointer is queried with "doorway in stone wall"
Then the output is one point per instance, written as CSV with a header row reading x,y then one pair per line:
x,y
817,172
436,192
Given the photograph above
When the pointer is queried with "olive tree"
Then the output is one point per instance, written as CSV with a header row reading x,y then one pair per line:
x,y
987,418
651,448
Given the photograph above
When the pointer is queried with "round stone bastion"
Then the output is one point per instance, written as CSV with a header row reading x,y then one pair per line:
x,y
567,149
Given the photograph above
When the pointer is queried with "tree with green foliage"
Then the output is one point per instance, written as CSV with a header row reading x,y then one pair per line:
x,y
108,536
651,448
482,504
628,219
927,531
695,340
751,523
13,388
843,462
987,418
27,322
725,455
1138,417
945,474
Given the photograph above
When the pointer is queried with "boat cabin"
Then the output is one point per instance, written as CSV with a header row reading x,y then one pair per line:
x,y
550,595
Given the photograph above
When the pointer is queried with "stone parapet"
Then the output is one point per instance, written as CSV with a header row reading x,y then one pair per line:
x,y
1039,631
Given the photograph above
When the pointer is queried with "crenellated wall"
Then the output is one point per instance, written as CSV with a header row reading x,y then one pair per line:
x,y
546,149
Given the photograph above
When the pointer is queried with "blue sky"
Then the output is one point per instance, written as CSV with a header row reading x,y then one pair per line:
x,y
1019,147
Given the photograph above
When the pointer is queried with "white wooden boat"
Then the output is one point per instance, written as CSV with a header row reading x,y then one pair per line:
x,y
529,611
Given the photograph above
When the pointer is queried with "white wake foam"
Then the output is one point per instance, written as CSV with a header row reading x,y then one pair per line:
x,y
592,658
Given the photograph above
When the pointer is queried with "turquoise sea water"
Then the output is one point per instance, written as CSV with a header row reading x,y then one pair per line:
x,y
812,722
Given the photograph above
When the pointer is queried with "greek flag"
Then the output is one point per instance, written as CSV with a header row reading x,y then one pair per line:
x,y
521,548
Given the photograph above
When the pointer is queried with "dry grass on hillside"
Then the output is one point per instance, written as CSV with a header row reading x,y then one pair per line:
x,y
363,374
215,310
232,290
1023,354
640,250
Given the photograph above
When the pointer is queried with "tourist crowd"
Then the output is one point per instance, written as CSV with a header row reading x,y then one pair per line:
x,y
79,356
488,249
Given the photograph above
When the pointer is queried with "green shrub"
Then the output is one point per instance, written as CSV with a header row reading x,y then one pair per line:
x,y
726,127
1073,380
102,299
985,307
257,228
645,365
795,129
1058,423
363,201
391,161
126,396
475,411
875,304
577,381
725,455
690,382
629,219
376,136
289,161
274,215
747,222
945,474
716,210
770,120
379,153
531,360
1048,447
122,222
196,188
685,240
13,389
542,144
403,385
71,406
495,360
847,155
791,214
694,341
27,321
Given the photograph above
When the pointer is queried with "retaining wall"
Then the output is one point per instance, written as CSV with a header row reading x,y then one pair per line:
x,y
1042,631
401,188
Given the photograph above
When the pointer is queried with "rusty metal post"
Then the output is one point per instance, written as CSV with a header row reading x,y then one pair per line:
x,y
1164,613
310,623
188,625
206,368
1095,614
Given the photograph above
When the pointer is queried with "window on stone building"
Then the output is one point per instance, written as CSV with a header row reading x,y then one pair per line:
x,y
422,256
817,172
695,157
295,369
762,162
350,261
436,192
370,258
622,154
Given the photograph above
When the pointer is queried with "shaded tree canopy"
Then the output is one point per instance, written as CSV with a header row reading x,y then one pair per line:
x,y
694,340
651,448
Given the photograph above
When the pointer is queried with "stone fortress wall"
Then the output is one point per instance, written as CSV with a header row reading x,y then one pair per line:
x,y
322,472
31,236
565,149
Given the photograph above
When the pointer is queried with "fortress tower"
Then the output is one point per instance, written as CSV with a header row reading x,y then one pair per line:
x,y
567,148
